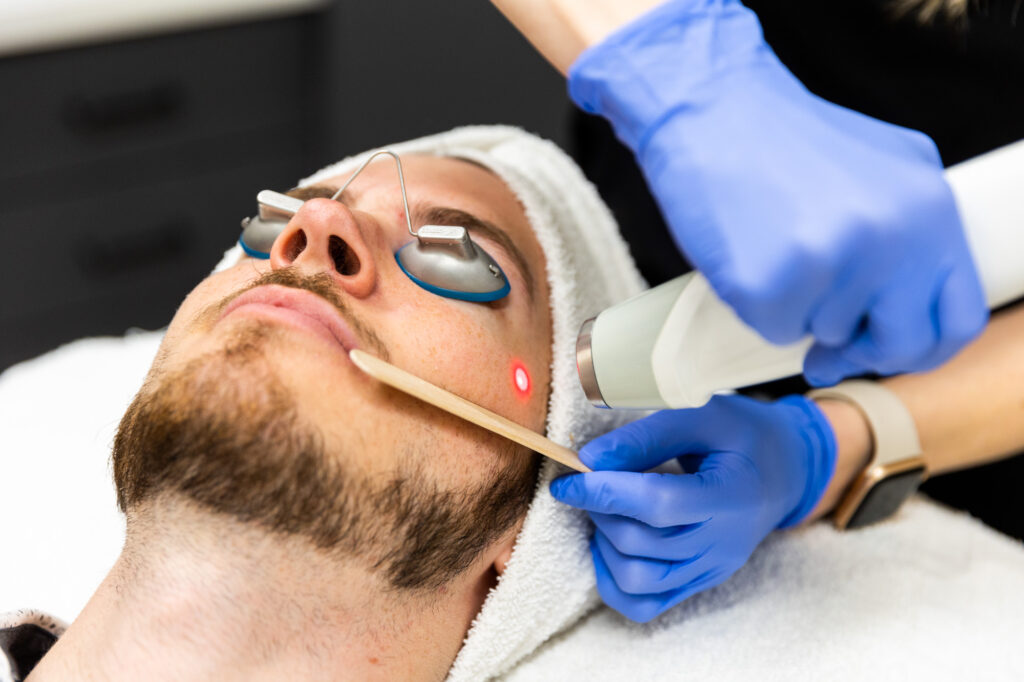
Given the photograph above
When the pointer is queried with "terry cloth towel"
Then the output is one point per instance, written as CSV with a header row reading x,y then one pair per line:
x,y
60,529
549,581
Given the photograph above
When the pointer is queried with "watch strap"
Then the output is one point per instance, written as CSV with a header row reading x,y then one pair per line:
x,y
896,453
893,432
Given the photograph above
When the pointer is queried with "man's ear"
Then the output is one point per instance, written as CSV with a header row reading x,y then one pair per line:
x,y
505,552
501,561
502,549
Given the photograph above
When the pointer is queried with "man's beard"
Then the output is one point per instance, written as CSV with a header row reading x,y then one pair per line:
x,y
225,432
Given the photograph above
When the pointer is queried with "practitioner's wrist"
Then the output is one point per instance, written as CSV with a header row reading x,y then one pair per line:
x,y
562,29
853,452
662,63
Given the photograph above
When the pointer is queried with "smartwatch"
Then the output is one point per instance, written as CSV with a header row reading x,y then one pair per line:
x,y
896,468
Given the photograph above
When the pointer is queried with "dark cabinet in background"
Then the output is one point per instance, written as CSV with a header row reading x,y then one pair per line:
x,y
125,169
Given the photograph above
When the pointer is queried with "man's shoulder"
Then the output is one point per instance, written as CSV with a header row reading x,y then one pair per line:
x,y
25,637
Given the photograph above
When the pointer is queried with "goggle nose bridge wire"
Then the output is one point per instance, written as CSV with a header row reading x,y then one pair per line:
x,y
401,183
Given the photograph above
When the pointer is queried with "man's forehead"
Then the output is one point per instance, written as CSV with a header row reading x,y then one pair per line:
x,y
423,170
479,189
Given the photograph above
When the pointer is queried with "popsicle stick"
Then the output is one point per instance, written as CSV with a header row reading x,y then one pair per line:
x,y
460,407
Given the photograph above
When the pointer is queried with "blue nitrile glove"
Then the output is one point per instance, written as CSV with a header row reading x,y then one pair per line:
x,y
807,218
659,538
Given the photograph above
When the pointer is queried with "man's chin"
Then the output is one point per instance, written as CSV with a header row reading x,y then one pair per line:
x,y
217,427
221,429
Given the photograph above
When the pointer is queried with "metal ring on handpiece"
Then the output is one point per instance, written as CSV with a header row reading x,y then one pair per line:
x,y
585,364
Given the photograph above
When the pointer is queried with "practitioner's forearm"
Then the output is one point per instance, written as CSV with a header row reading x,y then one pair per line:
x,y
562,29
968,412
971,410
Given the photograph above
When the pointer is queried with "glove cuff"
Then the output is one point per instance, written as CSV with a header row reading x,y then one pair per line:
x,y
821,457
640,74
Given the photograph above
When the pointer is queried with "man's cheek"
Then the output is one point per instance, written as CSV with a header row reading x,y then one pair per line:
x,y
505,384
466,351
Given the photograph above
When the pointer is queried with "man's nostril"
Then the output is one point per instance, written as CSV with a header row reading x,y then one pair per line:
x,y
295,246
346,262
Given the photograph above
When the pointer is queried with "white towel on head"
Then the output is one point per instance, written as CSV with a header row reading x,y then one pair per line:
x,y
549,581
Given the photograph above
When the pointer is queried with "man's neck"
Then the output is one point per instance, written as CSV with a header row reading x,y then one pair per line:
x,y
197,598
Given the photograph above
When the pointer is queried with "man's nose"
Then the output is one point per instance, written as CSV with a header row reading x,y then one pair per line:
x,y
323,236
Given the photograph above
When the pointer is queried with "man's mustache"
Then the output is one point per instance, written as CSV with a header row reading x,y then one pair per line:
x,y
323,286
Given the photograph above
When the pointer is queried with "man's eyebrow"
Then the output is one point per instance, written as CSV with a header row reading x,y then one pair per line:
x,y
425,214
321,192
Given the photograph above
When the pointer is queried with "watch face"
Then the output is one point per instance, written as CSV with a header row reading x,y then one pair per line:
x,y
886,497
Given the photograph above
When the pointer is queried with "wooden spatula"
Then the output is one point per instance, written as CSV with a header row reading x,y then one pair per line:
x,y
449,402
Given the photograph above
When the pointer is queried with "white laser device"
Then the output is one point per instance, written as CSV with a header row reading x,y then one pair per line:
x,y
678,344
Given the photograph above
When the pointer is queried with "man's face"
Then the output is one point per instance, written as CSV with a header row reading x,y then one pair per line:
x,y
253,389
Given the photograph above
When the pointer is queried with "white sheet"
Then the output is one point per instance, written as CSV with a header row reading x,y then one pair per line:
x,y
930,595
58,415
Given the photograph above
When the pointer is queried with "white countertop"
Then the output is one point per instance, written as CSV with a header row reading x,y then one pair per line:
x,y
37,25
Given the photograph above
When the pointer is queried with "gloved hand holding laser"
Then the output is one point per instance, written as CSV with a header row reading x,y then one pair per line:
x,y
678,344
751,467
806,218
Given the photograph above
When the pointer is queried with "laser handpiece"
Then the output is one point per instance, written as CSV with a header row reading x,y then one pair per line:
x,y
677,344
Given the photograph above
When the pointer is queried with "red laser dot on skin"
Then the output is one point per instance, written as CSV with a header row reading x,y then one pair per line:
x,y
520,379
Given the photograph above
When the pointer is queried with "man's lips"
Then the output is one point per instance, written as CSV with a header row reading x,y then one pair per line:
x,y
297,307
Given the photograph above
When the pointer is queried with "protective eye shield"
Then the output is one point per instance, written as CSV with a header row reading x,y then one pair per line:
x,y
443,259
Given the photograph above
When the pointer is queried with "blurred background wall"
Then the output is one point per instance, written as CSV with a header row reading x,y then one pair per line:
x,y
134,137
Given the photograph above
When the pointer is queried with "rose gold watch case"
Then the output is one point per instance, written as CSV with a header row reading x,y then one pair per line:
x,y
868,480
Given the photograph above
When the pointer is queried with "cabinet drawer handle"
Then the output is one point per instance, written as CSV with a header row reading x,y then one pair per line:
x,y
135,251
110,112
